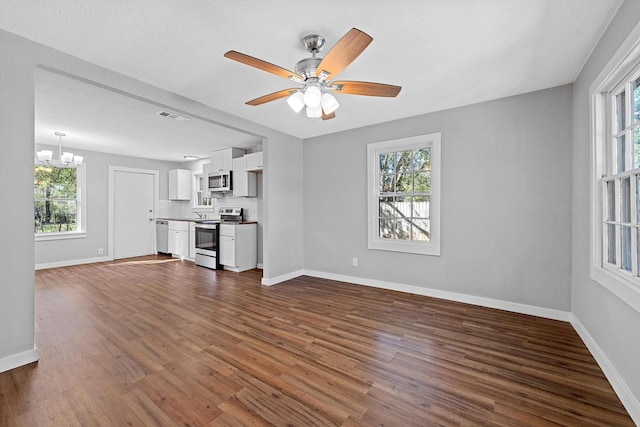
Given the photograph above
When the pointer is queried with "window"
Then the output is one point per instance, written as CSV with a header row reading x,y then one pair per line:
x,y
58,206
615,228
404,195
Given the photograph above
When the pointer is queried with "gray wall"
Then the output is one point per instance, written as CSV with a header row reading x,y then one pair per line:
x,y
506,201
97,167
19,58
612,323
16,199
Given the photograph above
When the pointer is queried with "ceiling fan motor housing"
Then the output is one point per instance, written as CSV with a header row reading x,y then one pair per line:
x,y
307,67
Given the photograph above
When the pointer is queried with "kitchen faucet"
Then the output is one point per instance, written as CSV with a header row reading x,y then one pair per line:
x,y
199,214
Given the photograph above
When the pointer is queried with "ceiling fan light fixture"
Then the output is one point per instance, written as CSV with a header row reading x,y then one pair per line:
x,y
329,103
296,101
312,96
314,112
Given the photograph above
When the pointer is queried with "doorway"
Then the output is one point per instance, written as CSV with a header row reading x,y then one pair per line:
x,y
133,196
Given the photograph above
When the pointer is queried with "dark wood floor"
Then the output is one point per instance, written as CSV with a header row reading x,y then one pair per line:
x,y
160,342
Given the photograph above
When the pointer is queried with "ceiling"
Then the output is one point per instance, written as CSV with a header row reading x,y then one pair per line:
x,y
443,53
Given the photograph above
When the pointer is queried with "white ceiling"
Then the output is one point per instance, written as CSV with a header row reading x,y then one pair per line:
x,y
444,53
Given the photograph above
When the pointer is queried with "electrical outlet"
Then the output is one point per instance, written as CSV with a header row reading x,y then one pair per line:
x,y
100,251
355,262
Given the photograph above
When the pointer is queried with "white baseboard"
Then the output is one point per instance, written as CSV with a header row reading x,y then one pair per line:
x,y
452,296
72,262
20,359
627,398
259,266
268,281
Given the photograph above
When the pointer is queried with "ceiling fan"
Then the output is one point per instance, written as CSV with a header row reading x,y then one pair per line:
x,y
316,75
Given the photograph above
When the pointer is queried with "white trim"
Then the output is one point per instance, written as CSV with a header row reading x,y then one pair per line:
x,y
111,198
70,262
259,266
616,380
612,75
19,359
61,236
515,307
283,278
373,149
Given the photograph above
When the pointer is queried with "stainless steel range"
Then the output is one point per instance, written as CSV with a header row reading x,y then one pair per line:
x,y
207,244
208,237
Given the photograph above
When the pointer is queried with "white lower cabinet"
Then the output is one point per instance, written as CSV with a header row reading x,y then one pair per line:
x,y
238,246
179,238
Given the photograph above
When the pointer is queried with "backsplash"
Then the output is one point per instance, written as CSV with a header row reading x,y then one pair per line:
x,y
184,209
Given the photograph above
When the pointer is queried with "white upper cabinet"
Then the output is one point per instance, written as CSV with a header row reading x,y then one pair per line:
x,y
222,160
179,184
253,162
244,183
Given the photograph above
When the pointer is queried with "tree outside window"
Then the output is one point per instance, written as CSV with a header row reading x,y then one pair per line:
x,y
55,199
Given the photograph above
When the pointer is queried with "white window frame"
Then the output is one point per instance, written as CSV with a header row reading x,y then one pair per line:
x,y
81,215
432,247
623,66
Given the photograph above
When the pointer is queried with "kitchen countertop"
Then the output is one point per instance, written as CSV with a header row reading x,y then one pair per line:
x,y
208,219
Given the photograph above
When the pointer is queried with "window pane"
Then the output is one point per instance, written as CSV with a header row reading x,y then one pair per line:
x,y
621,117
386,228
611,201
403,162
387,163
422,159
625,238
403,229
638,251
422,182
385,207
420,229
637,199
387,183
636,148
611,239
621,158
625,200
636,100
420,207
405,183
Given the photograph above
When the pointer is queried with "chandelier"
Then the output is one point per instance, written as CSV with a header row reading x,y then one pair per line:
x,y
65,159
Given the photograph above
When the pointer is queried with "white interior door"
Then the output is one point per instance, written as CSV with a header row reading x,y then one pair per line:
x,y
133,215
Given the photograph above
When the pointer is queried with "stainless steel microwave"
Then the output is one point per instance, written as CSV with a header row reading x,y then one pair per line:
x,y
219,181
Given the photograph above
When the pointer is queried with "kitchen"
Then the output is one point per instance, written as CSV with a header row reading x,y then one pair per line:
x,y
213,234
124,132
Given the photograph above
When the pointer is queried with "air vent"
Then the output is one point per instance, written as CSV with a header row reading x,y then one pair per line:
x,y
174,116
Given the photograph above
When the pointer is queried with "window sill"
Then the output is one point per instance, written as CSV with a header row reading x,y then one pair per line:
x,y
60,236
406,247
625,289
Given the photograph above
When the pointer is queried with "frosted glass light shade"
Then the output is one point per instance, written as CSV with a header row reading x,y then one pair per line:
x,y
312,96
77,160
329,103
314,112
66,157
44,155
296,101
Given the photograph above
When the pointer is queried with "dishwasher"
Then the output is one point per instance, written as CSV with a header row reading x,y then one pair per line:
x,y
162,236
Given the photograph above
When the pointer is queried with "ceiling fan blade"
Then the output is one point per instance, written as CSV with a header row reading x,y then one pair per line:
x,y
366,88
343,53
272,97
263,65
328,116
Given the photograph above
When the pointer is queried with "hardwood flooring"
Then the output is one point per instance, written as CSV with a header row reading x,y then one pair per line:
x,y
155,341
